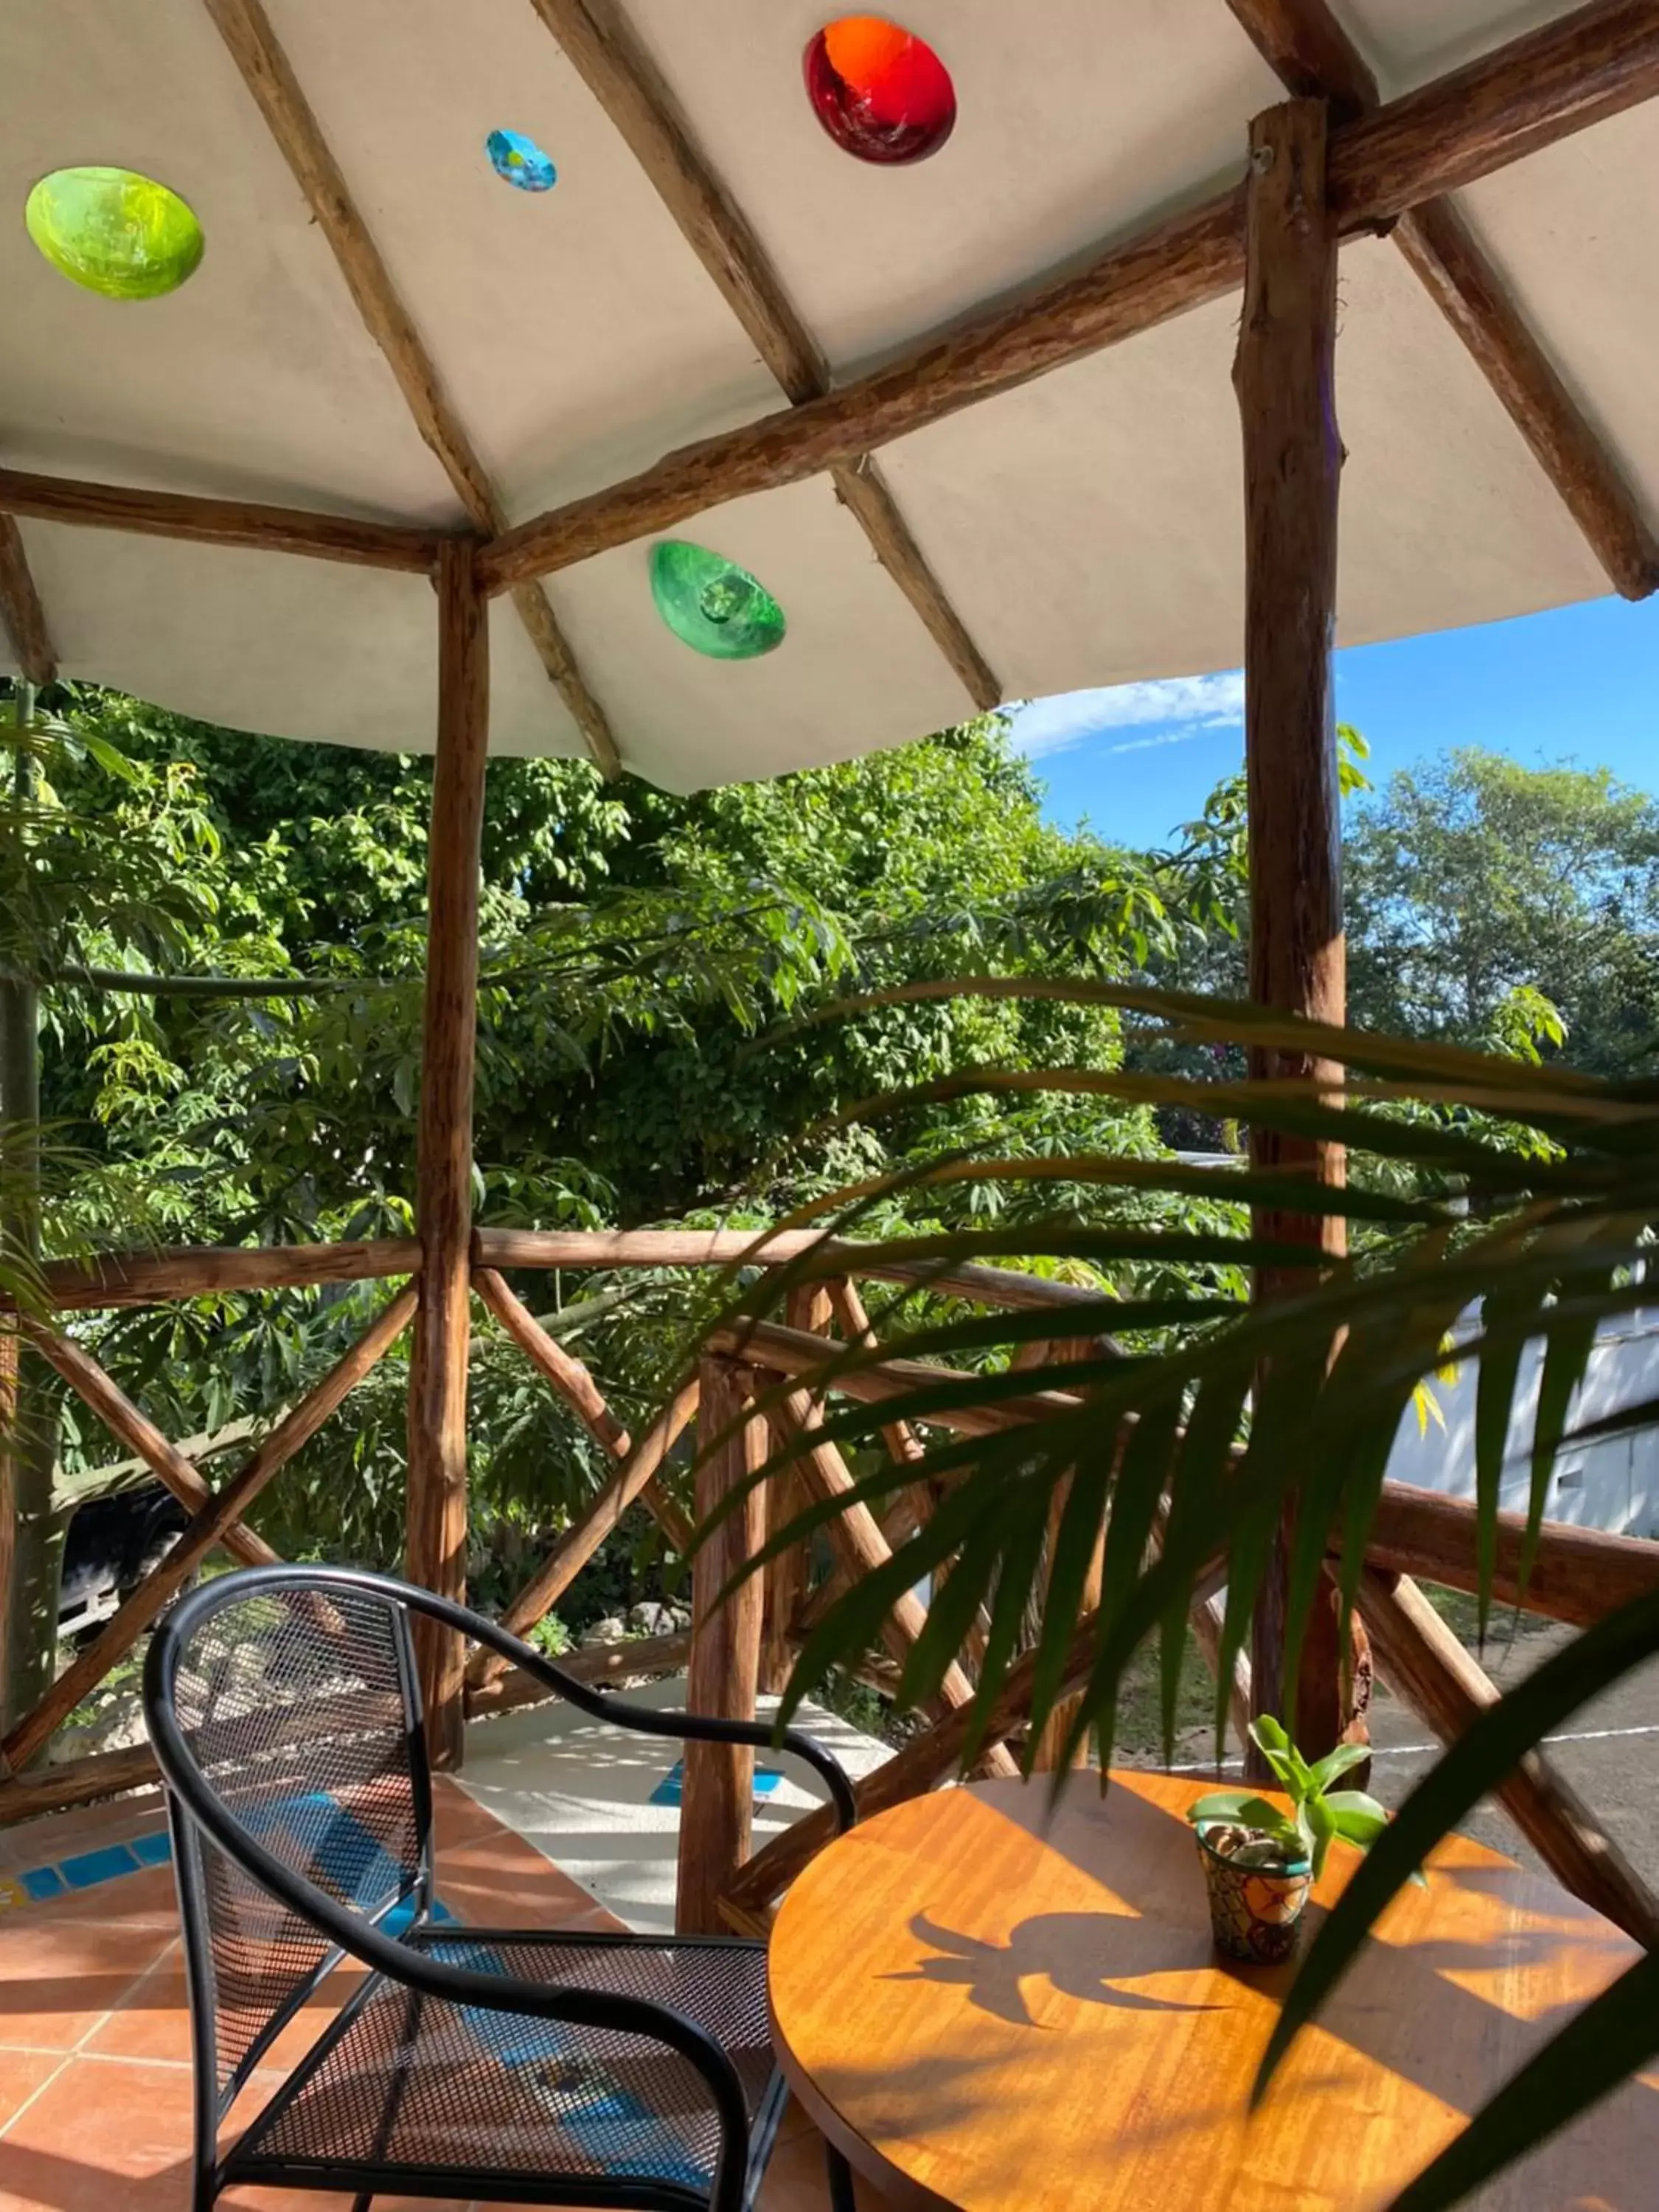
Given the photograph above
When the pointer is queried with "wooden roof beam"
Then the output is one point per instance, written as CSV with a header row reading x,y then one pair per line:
x,y
1504,105
245,523
21,615
1314,56
266,71
606,53
1311,53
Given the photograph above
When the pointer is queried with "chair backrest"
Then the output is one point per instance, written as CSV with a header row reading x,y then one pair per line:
x,y
295,1698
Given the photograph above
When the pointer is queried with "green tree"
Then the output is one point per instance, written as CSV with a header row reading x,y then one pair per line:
x,y
1475,881
228,936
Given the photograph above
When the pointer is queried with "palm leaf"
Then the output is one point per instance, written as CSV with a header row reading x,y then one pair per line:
x,y
1581,2064
1558,1174
1490,1750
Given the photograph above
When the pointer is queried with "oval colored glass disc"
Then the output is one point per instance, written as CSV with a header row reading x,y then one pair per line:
x,y
881,92
712,604
521,162
115,232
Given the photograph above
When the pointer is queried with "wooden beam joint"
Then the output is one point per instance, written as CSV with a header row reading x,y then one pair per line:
x,y
1313,54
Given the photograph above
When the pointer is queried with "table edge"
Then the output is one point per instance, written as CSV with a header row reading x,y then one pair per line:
x,y
903,2189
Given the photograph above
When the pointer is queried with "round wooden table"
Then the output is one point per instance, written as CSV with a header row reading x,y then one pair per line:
x,y
991,2011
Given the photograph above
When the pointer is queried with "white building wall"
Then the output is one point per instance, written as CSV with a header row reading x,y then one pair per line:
x,y
1611,1483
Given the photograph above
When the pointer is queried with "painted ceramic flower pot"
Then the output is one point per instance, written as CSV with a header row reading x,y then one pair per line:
x,y
1255,1908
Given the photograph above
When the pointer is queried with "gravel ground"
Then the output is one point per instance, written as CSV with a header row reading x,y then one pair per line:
x,y
1608,1751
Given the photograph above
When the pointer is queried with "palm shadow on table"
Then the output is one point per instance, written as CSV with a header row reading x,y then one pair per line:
x,y
1085,1955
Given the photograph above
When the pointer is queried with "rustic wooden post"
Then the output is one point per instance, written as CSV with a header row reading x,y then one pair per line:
x,y
1051,1742
1285,377
436,1531
811,1307
717,1799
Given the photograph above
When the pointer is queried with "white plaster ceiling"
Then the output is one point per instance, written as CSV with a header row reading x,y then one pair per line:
x,y
1086,527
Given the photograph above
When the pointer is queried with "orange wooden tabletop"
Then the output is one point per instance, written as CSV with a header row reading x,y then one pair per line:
x,y
989,2011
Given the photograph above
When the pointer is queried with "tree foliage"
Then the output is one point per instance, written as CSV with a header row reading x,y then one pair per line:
x,y
1481,892
229,933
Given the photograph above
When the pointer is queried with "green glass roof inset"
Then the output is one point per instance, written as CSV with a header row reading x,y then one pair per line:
x,y
115,232
712,604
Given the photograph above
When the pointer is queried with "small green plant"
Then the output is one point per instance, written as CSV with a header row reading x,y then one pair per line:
x,y
1318,1813
550,1637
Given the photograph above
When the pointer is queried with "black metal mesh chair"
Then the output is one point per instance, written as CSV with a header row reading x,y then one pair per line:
x,y
539,2066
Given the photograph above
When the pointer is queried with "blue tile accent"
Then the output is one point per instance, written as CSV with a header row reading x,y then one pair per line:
x,y
402,1915
671,1789
94,1867
346,1853
336,1849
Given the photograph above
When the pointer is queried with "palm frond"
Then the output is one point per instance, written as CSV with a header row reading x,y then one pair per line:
x,y
1498,1203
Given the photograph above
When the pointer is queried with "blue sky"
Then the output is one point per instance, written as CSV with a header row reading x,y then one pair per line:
x,y
1580,683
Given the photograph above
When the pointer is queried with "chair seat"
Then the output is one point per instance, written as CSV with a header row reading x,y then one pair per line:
x,y
405,2087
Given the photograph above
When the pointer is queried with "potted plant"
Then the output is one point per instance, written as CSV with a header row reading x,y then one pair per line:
x,y
1261,1860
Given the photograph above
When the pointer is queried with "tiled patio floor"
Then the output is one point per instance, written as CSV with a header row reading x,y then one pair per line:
x,y
95,2036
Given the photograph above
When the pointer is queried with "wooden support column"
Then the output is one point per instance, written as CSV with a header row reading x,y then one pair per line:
x,y
1046,1758
717,1801
436,1536
1285,377
811,1307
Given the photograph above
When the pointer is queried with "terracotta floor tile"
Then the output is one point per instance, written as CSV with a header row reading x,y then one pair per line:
x,y
21,2072
153,2022
499,1880
152,2019
455,1816
58,1975
108,2127
114,2136
145,1901
43,1843
303,2030
103,2133
795,2122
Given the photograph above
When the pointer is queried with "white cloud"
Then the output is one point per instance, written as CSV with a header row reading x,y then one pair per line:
x,y
1179,706
1173,736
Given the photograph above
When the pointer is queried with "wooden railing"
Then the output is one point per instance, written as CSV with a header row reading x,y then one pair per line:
x,y
734,1649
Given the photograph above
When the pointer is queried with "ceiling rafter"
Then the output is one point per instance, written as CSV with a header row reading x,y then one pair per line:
x,y
1310,49
603,47
22,614
265,69
200,521
1522,96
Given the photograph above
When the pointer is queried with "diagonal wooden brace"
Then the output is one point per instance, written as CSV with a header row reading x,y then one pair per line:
x,y
860,1548
102,1395
220,1513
